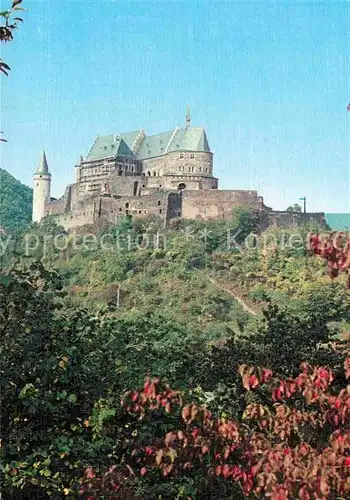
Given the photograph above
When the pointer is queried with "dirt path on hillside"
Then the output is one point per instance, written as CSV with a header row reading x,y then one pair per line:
x,y
234,295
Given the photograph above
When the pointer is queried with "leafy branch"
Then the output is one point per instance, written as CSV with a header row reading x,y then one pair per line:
x,y
11,22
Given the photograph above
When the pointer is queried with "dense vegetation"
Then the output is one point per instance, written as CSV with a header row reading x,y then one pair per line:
x,y
92,320
15,203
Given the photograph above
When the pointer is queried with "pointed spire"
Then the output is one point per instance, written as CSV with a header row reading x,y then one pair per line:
x,y
43,167
188,117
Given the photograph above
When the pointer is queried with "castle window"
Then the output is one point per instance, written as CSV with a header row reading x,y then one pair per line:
x,y
158,203
206,169
140,211
126,205
191,156
148,173
120,210
154,174
181,156
199,169
160,210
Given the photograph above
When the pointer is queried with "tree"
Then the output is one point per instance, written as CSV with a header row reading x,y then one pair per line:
x,y
10,24
334,247
16,202
294,208
291,442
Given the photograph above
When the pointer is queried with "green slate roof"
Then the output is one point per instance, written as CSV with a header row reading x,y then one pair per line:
x,y
185,139
43,168
154,145
111,145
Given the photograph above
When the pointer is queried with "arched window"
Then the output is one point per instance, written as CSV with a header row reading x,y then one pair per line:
x,y
181,186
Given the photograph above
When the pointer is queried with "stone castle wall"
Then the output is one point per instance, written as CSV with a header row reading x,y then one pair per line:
x,y
189,182
112,209
170,170
216,204
79,217
285,220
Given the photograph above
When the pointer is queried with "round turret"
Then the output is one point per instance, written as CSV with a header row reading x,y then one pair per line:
x,y
41,189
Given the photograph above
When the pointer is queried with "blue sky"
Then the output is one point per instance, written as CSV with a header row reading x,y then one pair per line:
x,y
268,80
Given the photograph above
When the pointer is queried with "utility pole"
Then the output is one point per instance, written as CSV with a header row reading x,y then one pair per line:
x,y
304,200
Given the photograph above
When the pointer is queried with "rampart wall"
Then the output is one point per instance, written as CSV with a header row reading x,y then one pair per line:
x,y
283,219
216,204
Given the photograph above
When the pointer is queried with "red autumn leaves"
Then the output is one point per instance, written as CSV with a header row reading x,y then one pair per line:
x,y
335,249
296,446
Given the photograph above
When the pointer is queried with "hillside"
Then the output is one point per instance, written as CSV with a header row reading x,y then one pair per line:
x,y
15,202
112,309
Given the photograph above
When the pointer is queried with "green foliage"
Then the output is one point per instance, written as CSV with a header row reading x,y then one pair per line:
x,y
74,338
294,208
15,203
244,219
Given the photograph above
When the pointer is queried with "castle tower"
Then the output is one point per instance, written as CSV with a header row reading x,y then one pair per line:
x,y
41,189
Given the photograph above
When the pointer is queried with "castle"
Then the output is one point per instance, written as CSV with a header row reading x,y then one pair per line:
x,y
169,174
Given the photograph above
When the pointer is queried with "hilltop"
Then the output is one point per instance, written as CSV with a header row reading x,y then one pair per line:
x,y
15,202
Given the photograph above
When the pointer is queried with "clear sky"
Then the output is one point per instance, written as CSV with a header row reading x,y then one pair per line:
x,y
268,80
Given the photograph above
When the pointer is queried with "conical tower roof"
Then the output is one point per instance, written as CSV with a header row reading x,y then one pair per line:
x,y
43,168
